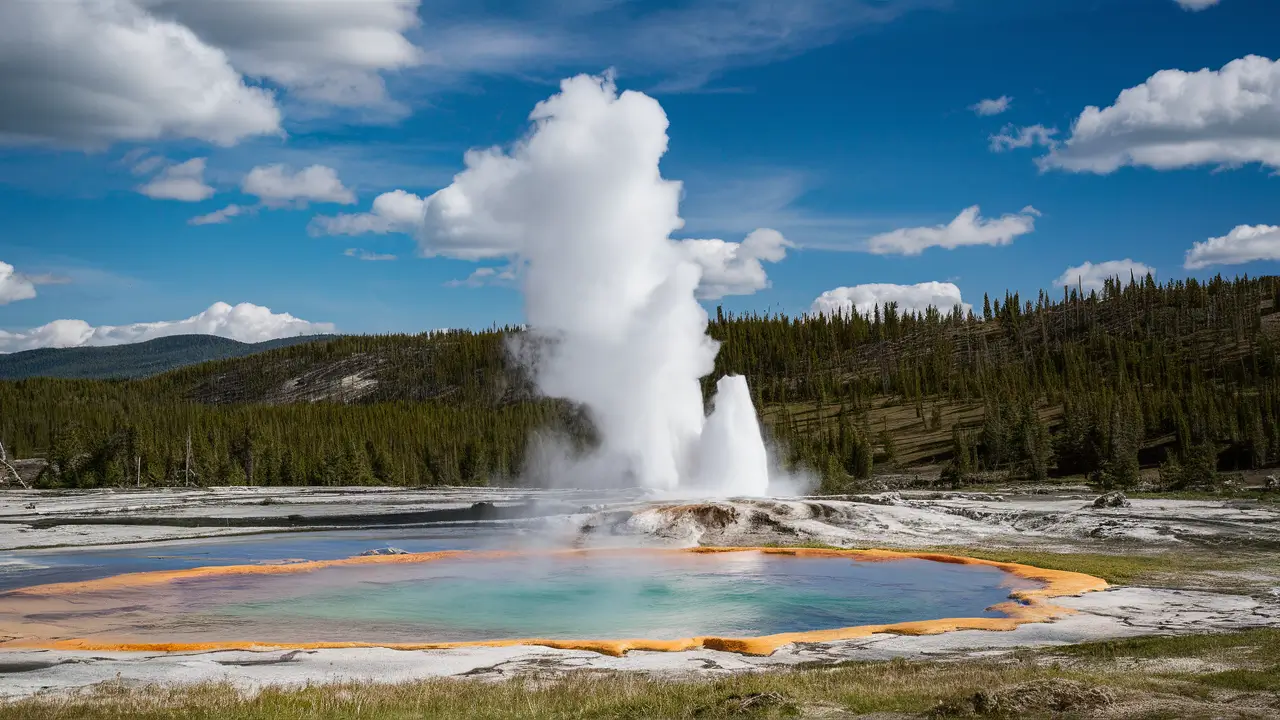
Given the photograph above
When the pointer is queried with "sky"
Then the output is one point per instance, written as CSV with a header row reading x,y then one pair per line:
x,y
266,169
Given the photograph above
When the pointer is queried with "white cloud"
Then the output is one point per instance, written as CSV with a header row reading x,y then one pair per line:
x,y
86,73
217,217
13,286
327,51
863,299
969,228
395,211
1245,243
735,268
245,322
486,276
1196,5
1011,138
1177,119
145,164
275,187
467,220
361,254
993,106
1092,276
184,181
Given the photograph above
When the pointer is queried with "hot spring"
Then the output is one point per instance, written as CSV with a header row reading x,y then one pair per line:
x,y
750,600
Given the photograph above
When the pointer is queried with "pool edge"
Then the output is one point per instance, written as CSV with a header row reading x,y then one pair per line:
x,y
1024,606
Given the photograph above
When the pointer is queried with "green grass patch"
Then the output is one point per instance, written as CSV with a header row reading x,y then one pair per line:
x,y
1257,496
1261,645
1267,680
1115,569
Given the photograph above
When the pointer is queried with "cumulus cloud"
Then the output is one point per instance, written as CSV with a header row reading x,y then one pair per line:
x,y
993,106
13,286
245,322
1196,5
16,286
1092,276
1012,138
86,73
1245,243
361,254
184,181
1227,117
276,187
395,211
735,268
328,51
863,299
969,228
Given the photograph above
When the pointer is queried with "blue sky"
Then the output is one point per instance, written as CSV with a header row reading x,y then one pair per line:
x,y
832,122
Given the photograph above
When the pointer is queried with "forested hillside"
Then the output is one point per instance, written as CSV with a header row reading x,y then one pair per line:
x,y
133,361
1182,375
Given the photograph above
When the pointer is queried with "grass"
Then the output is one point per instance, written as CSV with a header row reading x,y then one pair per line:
x,y
1261,646
879,687
1240,494
1127,569
915,688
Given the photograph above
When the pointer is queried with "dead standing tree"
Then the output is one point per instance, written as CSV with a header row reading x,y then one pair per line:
x,y
7,471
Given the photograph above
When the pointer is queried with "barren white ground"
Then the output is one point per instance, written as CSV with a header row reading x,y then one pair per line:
x,y
1064,522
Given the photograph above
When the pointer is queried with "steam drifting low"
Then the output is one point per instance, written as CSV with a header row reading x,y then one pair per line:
x,y
582,209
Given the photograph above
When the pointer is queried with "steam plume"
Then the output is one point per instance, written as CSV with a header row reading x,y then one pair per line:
x,y
582,208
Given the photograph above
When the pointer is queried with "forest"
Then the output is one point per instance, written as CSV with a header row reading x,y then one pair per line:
x,y
1180,376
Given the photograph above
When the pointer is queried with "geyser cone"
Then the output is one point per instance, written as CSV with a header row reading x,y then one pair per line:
x,y
731,457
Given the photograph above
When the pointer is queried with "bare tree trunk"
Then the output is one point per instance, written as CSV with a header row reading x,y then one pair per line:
x,y
10,470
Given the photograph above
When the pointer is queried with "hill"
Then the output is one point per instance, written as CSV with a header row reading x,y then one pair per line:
x,y
1183,376
135,360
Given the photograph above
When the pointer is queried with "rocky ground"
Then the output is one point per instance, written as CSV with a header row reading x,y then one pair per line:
x,y
1234,582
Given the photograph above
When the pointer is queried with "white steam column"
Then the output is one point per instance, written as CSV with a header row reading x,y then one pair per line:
x,y
582,211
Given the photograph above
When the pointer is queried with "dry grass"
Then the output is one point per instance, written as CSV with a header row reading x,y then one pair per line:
x,y
919,689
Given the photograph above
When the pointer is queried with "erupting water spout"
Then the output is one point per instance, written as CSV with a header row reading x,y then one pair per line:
x,y
583,212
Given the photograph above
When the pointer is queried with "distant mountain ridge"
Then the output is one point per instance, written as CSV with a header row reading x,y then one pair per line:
x,y
136,360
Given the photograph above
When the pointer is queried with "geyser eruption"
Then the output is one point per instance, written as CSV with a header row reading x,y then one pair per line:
x,y
732,455
580,207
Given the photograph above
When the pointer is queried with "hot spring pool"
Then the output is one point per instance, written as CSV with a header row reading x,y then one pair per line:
x,y
456,597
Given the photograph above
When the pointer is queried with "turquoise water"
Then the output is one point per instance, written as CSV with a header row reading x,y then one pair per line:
x,y
663,595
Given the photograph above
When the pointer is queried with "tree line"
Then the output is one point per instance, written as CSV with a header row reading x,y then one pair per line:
x,y
1181,375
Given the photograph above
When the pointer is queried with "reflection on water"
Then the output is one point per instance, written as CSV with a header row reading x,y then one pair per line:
x,y
661,595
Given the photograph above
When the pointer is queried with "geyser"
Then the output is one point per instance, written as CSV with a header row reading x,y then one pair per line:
x,y
581,209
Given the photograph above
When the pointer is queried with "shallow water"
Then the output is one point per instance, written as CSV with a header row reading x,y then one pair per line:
x,y
38,567
658,595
